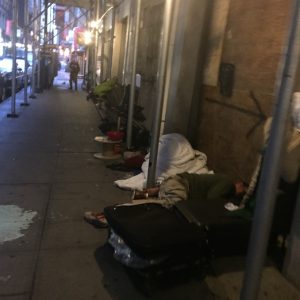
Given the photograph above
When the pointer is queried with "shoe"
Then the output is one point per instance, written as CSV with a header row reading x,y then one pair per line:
x,y
96,219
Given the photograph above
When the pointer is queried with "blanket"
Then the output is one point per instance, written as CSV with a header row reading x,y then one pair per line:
x,y
175,155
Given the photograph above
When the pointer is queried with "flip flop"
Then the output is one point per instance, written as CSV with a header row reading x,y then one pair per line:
x,y
96,219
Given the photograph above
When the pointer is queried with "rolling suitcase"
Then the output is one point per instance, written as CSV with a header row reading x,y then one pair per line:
x,y
172,244
162,247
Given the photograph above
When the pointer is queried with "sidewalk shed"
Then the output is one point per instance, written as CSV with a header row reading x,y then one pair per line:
x,y
48,179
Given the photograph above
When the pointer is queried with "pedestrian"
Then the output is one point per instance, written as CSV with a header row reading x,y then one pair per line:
x,y
74,70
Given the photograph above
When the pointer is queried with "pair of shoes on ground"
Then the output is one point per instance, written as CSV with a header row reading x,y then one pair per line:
x,y
97,219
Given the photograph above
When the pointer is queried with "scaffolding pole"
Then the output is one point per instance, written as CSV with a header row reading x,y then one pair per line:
x,y
26,20
38,83
133,74
14,61
34,56
163,58
38,15
126,48
103,32
92,49
267,187
97,15
111,45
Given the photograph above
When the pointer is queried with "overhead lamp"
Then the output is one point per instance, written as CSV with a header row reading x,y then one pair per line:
x,y
88,36
93,24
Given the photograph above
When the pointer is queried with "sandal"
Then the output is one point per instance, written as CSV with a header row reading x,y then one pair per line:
x,y
96,219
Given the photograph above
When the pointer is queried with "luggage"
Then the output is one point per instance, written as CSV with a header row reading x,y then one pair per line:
x,y
167,248
176,239
151,230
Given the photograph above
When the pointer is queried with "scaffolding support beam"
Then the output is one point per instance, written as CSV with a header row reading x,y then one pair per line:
x,y
133,74
26,18
96,48
163,59
103,8
126,48
111,45
270,173
38,82
14,60
34,56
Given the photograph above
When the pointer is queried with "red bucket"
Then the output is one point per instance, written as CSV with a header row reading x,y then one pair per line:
x,y
115,135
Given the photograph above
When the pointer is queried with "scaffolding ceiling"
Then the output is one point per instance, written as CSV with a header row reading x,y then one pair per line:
x,y
74,3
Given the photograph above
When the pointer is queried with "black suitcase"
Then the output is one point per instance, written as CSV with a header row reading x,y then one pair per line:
x,y
185,236
152,230
155,233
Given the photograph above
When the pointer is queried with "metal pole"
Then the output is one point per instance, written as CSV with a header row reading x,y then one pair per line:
x,y
50,22
45,22
160,94
38,15
97,15
38,85
128,58
169,72
44,75
14,62
132,86
91,60
26,18
111,45
266,194
102,43
34,57
126,49
87,59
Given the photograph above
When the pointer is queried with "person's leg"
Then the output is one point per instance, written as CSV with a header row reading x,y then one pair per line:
x,y
174,188
70,81
75,82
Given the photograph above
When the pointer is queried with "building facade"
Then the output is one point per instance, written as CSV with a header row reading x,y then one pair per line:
x,y
5,15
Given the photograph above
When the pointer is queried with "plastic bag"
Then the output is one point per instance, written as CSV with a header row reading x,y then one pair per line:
x,y
126,256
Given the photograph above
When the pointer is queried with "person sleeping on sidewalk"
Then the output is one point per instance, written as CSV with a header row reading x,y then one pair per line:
x,y
182,187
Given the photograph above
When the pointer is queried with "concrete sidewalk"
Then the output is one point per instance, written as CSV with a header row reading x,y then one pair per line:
x,y
48,179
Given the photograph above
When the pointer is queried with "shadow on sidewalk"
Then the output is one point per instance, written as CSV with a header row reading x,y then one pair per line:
x,y
121,283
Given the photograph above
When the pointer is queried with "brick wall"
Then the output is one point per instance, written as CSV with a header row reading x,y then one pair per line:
x,y
229,132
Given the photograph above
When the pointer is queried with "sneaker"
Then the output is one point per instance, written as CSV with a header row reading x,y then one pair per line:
x,y
96,219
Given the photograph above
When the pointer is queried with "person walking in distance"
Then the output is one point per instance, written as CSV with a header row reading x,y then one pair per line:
x,y
74,70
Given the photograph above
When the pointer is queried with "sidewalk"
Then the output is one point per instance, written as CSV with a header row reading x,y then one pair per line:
x,y
48,179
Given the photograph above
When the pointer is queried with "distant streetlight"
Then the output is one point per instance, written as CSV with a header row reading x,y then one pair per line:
x,y
88,36
93,24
